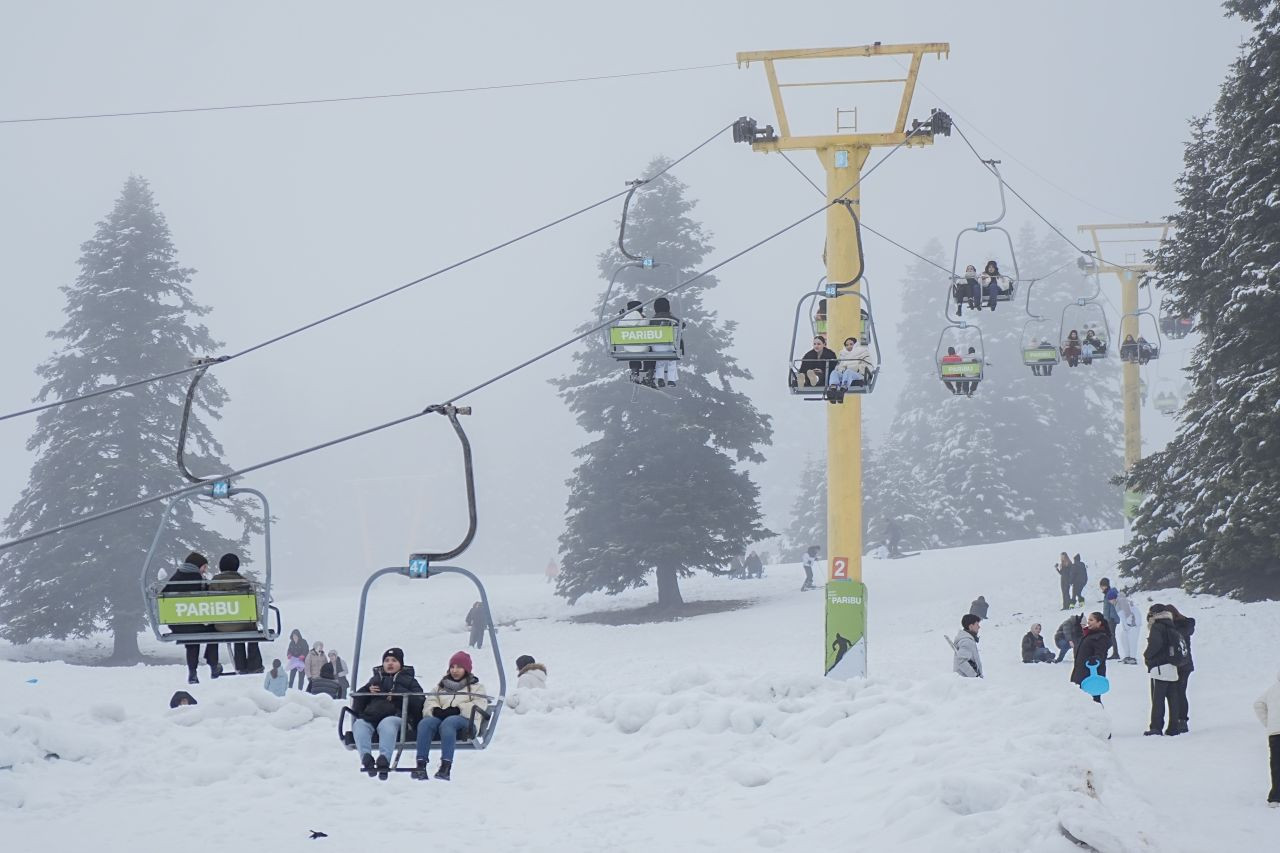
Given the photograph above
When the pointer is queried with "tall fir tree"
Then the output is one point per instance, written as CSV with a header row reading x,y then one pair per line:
x,y
808,524
661,491
1209,522
130,314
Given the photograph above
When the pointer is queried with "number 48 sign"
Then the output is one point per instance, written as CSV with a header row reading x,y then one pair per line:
x,y
839,568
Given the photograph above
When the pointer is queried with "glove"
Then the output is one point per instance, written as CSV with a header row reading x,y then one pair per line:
x,y
451,712
438,713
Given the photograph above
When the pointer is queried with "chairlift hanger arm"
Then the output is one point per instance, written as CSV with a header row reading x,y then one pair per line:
x,y
452,412
202,365
622,223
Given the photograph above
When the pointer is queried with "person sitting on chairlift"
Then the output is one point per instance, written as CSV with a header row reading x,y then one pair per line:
x,y
667,370
969,386
1128,349
951,358
247,656
453,708
816,364
1071,348
377,709
1045,369
190,578
633,315
993,284
1091,347
1146,351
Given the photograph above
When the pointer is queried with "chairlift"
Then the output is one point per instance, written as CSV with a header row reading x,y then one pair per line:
x,y
1173,325
1005,287
1083,332
1166,399
425,567
832,379
195,611
1140,350
1038,350
960,356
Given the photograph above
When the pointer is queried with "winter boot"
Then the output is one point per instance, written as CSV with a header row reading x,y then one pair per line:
x,y
215,670
445,767
384,767
366,764
420,771
662,383
191,677
1150,732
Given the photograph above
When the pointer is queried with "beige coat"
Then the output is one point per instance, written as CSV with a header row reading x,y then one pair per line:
x,y
463,700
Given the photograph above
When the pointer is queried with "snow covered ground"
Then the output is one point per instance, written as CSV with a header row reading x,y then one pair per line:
x,y
716,732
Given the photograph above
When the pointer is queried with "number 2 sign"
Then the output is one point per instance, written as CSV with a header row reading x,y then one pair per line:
x,y
839,568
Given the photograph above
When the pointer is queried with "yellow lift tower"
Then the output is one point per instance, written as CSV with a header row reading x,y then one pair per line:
x,y
1130,276
843,155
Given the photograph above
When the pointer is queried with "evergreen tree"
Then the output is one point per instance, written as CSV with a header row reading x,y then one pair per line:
x,y
130,314
661,490
809,513
1209,521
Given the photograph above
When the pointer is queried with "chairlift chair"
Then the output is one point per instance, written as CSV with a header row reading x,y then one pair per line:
x,y
424,567
960,368
957,280
1038,349
1084,316
201,614
869,371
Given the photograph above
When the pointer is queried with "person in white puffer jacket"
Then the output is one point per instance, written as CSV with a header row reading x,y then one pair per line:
x,y
1268,710
531,674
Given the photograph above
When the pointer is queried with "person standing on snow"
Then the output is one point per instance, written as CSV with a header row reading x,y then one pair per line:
x,y
1185,626
1079,578
1164,648
1268,710
893,533
1064,580
809,556
530,674
476,622
1128,612
313,662
967,662
276,681
296,654
1112,615
1033,650
979,607
1094,644
1067,636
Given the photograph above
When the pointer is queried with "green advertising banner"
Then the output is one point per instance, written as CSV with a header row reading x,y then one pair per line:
x,y
1131,502
641,335
846,650
207,608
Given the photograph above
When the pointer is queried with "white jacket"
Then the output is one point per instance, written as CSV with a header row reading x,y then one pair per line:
x,y
1268,708
634,317
857,358
967,660
532,676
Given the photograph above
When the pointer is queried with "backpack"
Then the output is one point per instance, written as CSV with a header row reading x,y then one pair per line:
x,y
1179,649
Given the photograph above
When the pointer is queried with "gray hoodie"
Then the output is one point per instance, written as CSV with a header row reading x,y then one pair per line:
x,y
967,661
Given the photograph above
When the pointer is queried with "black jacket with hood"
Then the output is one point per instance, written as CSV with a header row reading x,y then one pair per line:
x,y
1093,647
1161,636
373,709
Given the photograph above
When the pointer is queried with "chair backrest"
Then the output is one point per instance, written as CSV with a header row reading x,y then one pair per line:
x,y
206,608
961,369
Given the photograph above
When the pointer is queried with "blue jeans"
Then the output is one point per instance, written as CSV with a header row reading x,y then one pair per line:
x,y
449,728
388,736
1063,647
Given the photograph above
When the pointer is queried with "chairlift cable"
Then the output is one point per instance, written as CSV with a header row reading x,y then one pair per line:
x,y
363,303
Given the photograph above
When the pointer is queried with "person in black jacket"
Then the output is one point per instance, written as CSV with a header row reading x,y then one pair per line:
x,y
326,684
1079,579
1095,642
1033,650
816,365
1162,640
189,578
377,710
1186,626
247,655
1064,580
979,607
1067,636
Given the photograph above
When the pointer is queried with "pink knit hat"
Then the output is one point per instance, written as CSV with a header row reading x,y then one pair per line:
x,y
461,659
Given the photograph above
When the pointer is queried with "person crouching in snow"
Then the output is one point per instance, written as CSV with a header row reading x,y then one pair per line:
x,y
1033,650
531,674
1268,710
378,706
325,684
452,708
967,661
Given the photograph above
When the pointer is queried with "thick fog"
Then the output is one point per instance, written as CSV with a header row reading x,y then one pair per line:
x,y
291,212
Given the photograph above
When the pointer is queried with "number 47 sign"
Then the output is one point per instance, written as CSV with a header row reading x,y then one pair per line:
x,y
839,568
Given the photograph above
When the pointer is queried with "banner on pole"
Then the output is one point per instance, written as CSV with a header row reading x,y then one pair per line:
x,y
846,636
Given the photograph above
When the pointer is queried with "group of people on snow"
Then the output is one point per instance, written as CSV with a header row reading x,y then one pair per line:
x,y
393,704
655,373
194,575
1076,350
1073,575
975,289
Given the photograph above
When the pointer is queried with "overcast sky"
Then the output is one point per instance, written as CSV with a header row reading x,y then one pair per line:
x,y
289,213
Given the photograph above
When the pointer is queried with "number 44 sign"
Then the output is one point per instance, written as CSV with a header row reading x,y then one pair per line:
x,y
839,568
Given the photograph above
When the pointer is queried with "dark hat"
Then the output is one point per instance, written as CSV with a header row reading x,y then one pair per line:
x,y
662,304
229,563
634,303
524,660
394,652
813,549
969,619
182,697
197,559
326,671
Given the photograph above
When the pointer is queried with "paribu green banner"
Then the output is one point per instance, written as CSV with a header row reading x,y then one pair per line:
x,y
642,335
846,650
961,369
1132,500
1040,354
206,608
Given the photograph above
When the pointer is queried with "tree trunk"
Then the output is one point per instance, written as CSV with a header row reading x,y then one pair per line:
x,y
669,586
125,650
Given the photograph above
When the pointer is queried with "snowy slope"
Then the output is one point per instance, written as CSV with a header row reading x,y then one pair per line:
x,y
716,732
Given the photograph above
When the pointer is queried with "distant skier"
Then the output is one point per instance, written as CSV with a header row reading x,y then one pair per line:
x,y
893,533
1268,710
1033,650
967,661
1068,636
1064,580
1079,578
809,556
1094,644
476,622
979,607
552,571
753,567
